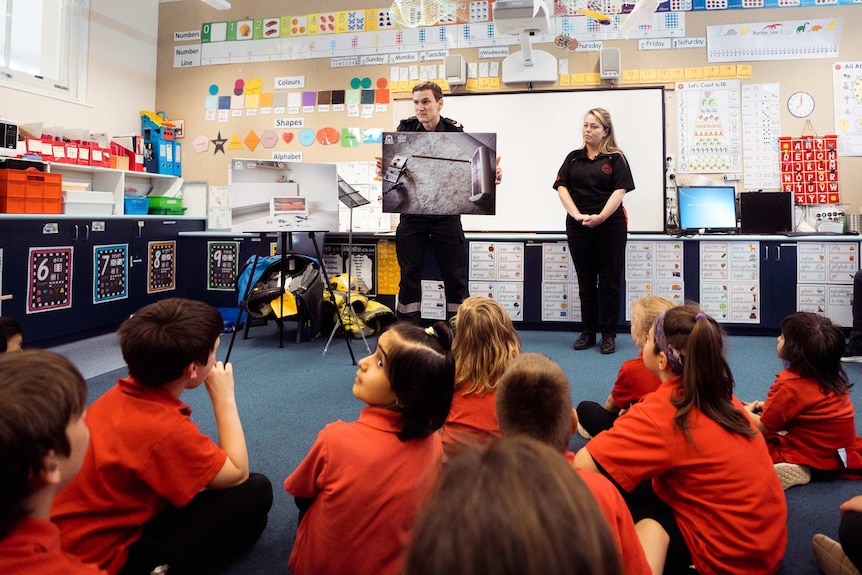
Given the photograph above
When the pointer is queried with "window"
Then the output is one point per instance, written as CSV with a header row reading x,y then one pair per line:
x,y
43,46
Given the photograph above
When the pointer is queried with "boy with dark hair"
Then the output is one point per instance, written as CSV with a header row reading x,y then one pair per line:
x,y
43,439
533,399
11,334
153,489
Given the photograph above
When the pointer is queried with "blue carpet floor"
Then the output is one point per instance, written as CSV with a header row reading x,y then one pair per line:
x,y
287,395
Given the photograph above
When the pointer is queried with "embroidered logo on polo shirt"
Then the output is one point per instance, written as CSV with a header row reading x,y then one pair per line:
x,y
607,168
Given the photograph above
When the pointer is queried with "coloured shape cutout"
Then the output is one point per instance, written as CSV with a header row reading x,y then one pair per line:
x,y
366,97
350,137
251,140
306,137
235,143
327,136
269,139
201,144
287,137
213,89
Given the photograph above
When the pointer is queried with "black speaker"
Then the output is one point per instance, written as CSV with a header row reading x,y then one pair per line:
x,y
765,212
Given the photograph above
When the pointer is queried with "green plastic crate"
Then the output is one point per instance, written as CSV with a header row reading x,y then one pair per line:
x,y
165,206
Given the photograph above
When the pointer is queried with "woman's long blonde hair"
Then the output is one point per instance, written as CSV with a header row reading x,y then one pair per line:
x,y
485,341
609,142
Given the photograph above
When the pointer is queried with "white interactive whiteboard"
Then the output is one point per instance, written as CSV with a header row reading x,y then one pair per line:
x,y
536,130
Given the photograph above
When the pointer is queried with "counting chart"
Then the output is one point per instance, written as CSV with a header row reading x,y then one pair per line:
x,y
49,279
774,40
161,266
110,273
709,138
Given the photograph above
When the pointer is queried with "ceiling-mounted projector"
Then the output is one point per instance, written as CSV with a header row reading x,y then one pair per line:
x,y
521,16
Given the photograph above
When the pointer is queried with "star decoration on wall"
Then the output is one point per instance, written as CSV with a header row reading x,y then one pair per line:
x,y
219,143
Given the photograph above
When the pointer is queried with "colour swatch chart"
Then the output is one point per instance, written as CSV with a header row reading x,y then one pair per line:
x,y
730,281
761,121
559,284
110,273
654,268
222,265
510,295
49,279
161,266
709,133
433,300
847,94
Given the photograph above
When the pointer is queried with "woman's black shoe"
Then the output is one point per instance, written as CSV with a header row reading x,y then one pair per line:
x,y
585,341
608,344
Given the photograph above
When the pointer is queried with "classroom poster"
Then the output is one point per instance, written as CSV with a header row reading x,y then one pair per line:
x,y
847,94
654,268
49,279
763,41
761,121
497,271
161,266
222,265
709,131
110,273
824,276
559,284
730,281
433,304
364,263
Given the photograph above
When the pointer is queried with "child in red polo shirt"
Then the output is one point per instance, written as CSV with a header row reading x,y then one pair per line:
x,y
485,341
808,419
153,489
634,380
360,486
711,498
534,399
43,439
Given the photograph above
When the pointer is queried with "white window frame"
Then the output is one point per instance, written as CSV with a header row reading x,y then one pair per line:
x,y
63,61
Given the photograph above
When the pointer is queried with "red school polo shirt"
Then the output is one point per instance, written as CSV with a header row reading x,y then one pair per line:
x,y
368,486
725,496
814,424
472,418
33,548
634,381
144,453
614,508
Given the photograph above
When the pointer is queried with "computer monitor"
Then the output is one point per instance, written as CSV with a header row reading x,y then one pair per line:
x,y
707,208
765,212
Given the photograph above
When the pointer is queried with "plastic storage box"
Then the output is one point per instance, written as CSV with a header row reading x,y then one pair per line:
x,y
136,205
78,203
165,206
30,192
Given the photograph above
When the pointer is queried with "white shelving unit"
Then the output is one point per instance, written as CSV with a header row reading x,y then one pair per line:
x,y
116,181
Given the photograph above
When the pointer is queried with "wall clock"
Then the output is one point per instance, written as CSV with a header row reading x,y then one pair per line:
x,y
800,104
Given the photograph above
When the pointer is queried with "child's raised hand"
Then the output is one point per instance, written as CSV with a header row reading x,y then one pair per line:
x,y
854,504
219,381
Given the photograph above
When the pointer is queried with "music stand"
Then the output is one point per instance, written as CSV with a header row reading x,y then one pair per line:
x,y
351,198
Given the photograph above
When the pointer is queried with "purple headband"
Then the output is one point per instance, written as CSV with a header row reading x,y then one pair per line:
x,y
673,359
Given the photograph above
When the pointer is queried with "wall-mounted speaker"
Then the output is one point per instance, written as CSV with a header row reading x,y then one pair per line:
x,y
609,63
455,68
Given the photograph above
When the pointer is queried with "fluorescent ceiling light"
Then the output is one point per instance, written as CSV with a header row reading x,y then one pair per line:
x,y
218,4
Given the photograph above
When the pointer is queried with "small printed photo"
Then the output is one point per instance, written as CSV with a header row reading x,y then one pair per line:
x,y
372,136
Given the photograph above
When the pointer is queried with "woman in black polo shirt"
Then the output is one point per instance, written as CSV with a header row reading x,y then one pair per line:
x,y
591,184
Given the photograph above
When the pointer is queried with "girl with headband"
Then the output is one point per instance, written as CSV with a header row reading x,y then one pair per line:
x,y
695,472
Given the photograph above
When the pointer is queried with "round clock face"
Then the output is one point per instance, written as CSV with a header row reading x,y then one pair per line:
x,y
857,89
800,104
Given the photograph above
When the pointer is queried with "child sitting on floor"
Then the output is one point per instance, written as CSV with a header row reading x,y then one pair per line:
x,y
711,498
361,484
154,490
533,399
485,341
808,419
634,380
43,439
11,334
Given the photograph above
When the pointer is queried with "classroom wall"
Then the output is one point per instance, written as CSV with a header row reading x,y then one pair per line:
x,y
180,92
121,74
